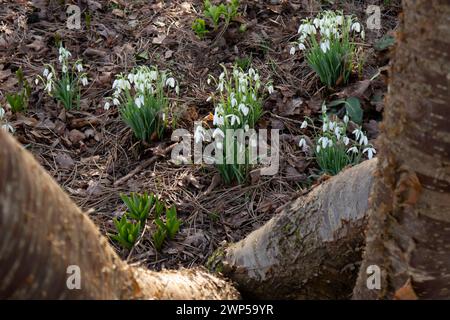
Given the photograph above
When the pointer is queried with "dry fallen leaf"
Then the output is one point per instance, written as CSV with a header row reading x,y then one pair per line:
x,y
159,39
406,292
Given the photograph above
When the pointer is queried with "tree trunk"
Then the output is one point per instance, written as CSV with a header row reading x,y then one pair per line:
x,y
408,235
43,233
311,249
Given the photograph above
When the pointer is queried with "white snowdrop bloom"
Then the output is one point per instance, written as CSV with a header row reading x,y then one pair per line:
x,y
131,77
346,119
356,27
323,141
332,125
233,102
153,75
363,141
370,152
251,72
253,97
36,81
292,51
7,127
270,89
116,102
177,89
363,34
46,72
339,20
357,133
256,77
209,99
220,86
208,81
2,113
301,46
233,119
107,106
244,109
330,143
346,140
302,143
337,132
325,46
79,67
49,87
222,76
304,124
318,148
139,101
115,84
316,22
68,88
217,118
199,134
170,82
218,133
353,149
325,127
49,76
84,81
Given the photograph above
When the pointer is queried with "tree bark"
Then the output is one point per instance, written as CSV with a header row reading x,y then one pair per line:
x,y
408,235
311,249
43,233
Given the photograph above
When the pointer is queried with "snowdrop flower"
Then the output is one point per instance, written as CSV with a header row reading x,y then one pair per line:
x,y
208,81
270,89
233,102
353,149
49,76
48,87
199,134
45,73
339,20
218,133
208,99
170,82
79,67
251,72
316,22
106,106
363,34
36,81
302,143
177,89
323,141
131,77
139,101
84,81
357,133
363,141
217,119
7,127
331,125
325,46
301,46
346,119
370,152
346,140
244,109
220,86
2,113
356,27
337,132
233,119
318,148
116,102
325,127
292,51
256,77
68,88
304,124
153,75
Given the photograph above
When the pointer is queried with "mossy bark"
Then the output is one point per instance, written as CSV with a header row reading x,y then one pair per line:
x,y
408,235
43,233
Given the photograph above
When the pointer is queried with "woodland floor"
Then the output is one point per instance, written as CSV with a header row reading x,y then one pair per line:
x,y
88,150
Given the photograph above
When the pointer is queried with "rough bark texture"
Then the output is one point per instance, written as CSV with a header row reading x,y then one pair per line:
x,y
43,232
408,235
311,249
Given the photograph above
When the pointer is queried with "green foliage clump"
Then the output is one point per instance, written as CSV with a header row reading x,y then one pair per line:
x,y
19,101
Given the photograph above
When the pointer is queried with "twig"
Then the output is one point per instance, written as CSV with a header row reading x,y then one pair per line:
x,y
144,165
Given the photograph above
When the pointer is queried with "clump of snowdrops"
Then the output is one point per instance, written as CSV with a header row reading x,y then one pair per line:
x,y
66,85
332,148
238,106
142,99
329,44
